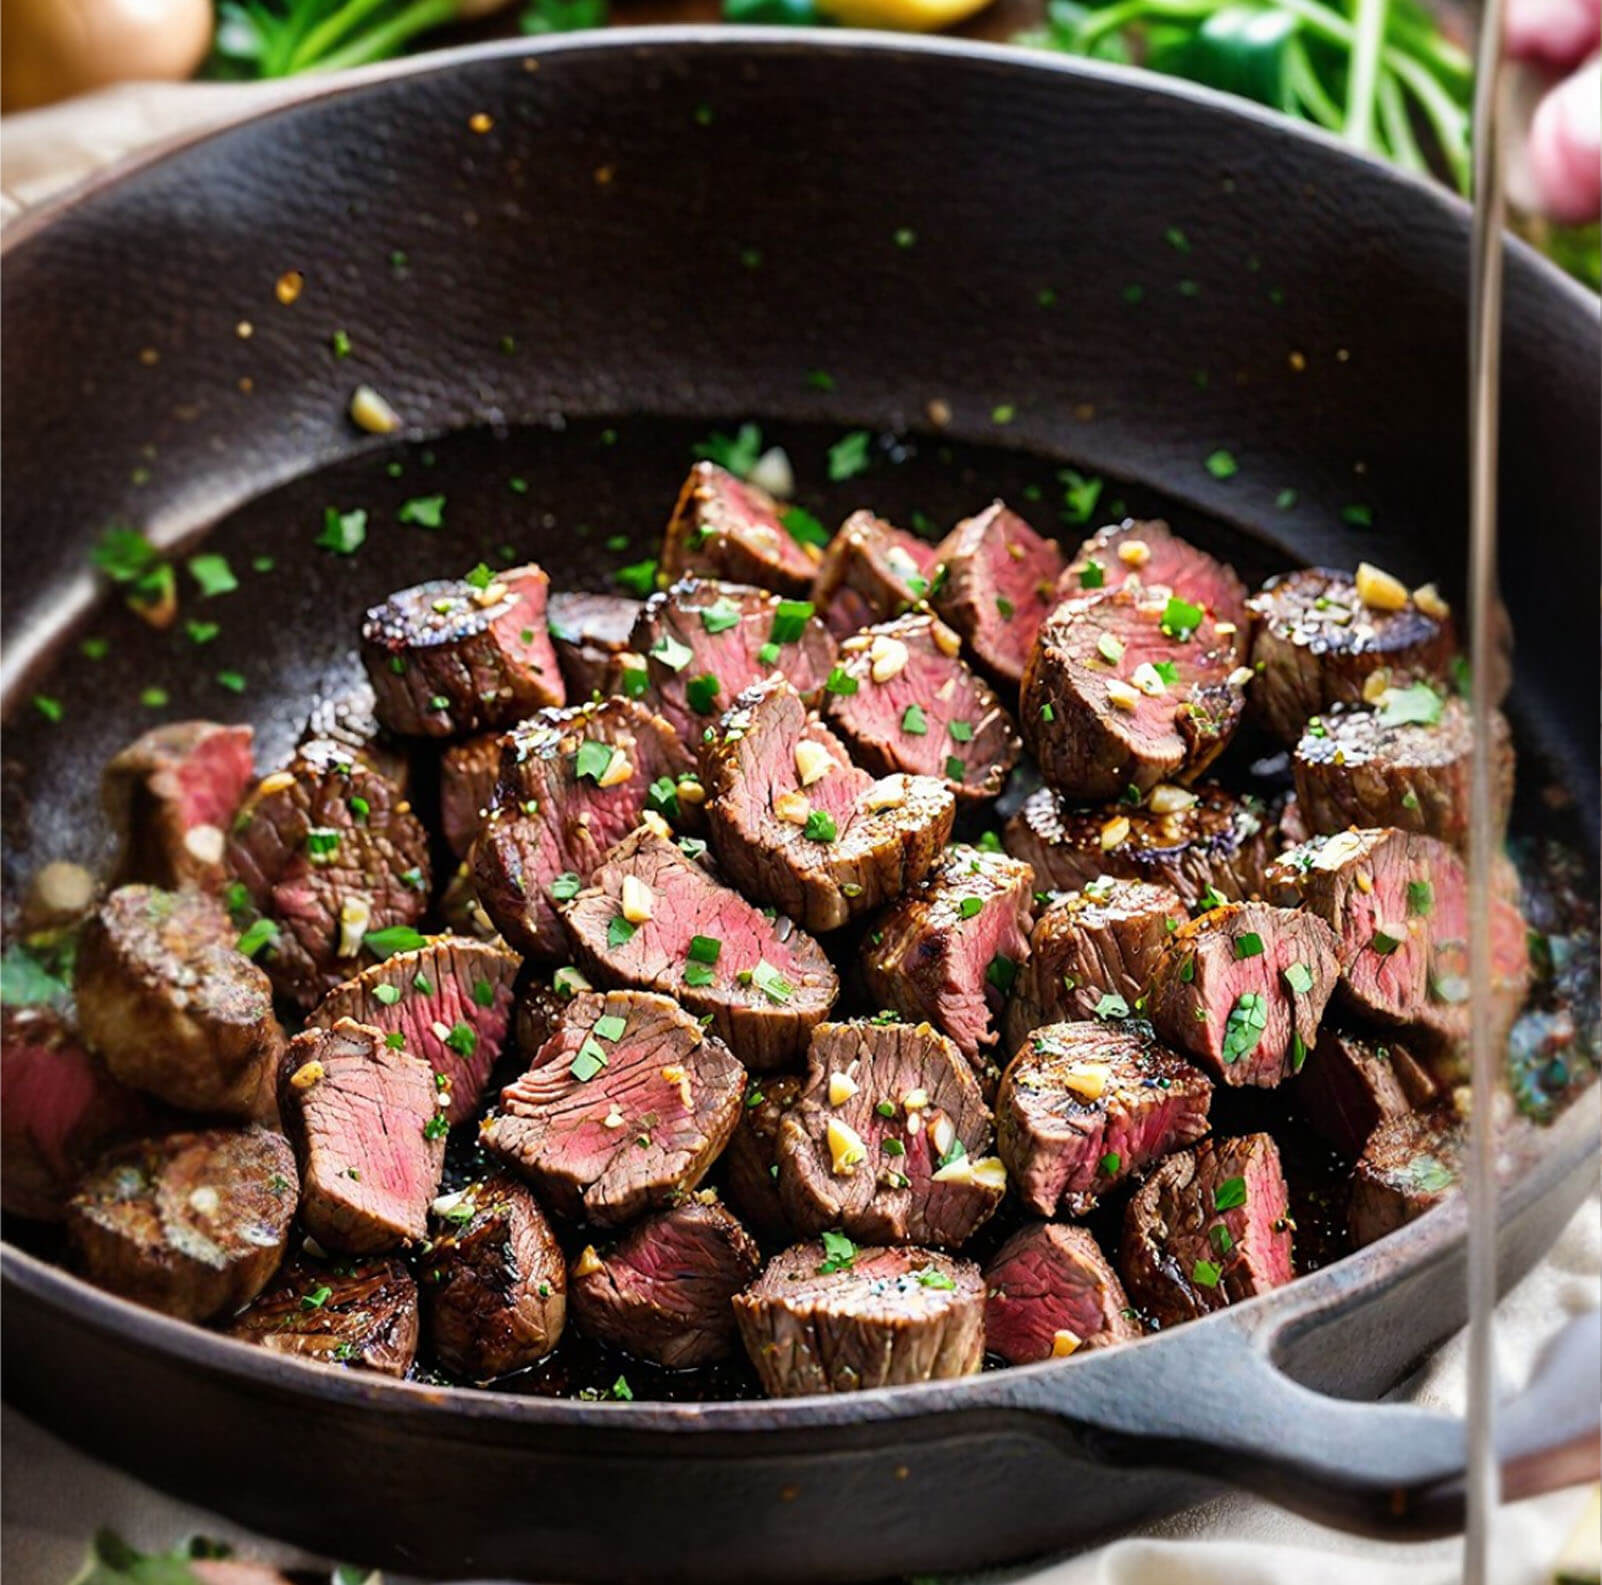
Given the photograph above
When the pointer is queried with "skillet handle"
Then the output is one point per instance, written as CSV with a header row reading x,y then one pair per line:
x,y
1221,1409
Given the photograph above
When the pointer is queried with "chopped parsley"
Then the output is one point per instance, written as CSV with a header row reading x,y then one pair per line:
x,y
1081,492
848,456
1167,671
48,707
638,577
1000,972
1111,1162
1112,1005
1384,943
961,731
790,618
1299,977
1298,1053
233,681
201,632
343,532
738,453
1205,1274
839,1253
436,1127
1420,899
588,1061
1092,575
423,511
663,797
1005,606
386,995
913,721
674,655
968,907
463,1039
619,932
153,698
928,1277
1222,465
1181,618
701,693
803,527
396,938
1248,944
593,760
1230,1193
955,769
721,615
1220,1238
610,1027
768,655
95,648
841,683
1418,704
1244,1027
260,933
317,1298
213,574
820,826
481,577
771,983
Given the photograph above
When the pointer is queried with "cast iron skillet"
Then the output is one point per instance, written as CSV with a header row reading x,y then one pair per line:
x,y
608,221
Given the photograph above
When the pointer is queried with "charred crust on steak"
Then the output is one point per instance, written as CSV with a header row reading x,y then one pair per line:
x,y
1050,1292
726,527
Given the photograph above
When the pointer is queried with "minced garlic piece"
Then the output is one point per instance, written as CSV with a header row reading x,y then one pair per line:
x,y
1168,799
942,1135
887,658
588,1262
656,825
846,1149
1114,832
355,915
1122,695
1087,1079
841,1088
1428,599
1378,590
204,1200
891,793
945,639
1063,1343
206,843
1148,679
636,900
369,411
1376,684
793,808
1134,553
915,1100
306,1075
279,781
812,761
1240,676
618,770
691,791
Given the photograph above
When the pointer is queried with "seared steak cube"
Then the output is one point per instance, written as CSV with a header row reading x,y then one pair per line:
x,y
589,631
1243,990
625,1107
1404,765
1148,557
1204,842
1317,643
459,655
59,1109
1210,1227
572,784
904,699
369,1129
751,1163
657,920
1398,904
871,571
468,774
494,1281
834,1318
1050,1292
1124,691
723,527
995,584
191,1224
171,796
796,824
1101,941
1410,1164
701,643
890,1141
330,854
450,1000
1085,1106
359,1313
1350,1084
665,1291
173,1008
949,949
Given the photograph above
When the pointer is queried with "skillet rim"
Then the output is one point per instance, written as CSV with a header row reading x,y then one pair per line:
x,y
1571,1140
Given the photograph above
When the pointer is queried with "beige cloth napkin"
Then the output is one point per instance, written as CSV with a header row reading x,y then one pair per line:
x,y
53,1498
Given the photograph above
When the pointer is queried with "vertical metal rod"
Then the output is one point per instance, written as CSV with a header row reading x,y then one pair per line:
x,y
1485,361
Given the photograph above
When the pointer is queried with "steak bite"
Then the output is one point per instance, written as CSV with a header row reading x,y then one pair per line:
x,y
1050,1292
1398,905
171,796
657,920
1202,841
1148,557
450,1000
369,1129
796,824
751,1163
59,1109
1318,641
589,631
871,571
998,585
1410,1163
890,1140
1101,941
664,1292
173,1008
330,855
1243,989
494,1281
360,1313
1207,843
1210,1227
1127,690
192,1225
1404,764
468,773
1350,1084
831,1317
704,642
1084,1106
459,655
904,699
572,784
949,949
723,527
624,1108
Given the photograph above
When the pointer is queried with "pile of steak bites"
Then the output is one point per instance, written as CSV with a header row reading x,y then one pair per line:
x,y
782,1015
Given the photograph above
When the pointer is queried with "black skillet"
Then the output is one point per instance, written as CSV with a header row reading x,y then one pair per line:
x,y
681,224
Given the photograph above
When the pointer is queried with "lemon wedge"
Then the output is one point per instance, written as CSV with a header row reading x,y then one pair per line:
x,y
906,16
